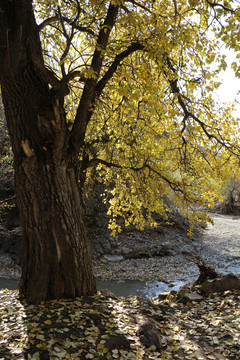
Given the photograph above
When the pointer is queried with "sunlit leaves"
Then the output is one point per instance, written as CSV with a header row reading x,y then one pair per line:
x,y
155,128
90,328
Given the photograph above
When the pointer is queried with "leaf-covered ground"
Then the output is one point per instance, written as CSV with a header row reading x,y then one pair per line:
x,y
105,327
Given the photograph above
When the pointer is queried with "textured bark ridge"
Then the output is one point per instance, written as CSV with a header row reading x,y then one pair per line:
x,y
56,259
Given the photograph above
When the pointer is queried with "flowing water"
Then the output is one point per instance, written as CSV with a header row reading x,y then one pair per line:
x,y
143,289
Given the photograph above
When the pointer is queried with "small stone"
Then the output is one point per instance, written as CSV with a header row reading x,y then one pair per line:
x,y
134,263
125,250
107,246
113,258
193,297
163,295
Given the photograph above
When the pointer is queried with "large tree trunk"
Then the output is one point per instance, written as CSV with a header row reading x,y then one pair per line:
x,y
56,258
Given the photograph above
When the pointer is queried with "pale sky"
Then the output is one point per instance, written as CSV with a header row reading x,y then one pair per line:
x,y
228,91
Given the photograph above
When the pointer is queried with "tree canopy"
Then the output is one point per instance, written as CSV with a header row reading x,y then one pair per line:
x,y
137,81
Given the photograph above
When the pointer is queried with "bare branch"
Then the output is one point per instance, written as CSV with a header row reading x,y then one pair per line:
x,y
176,12
48,21
79,27
175,186
220,5
74,74
188,114
71,22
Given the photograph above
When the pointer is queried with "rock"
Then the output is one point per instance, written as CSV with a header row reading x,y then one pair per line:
x,y
114,258
118,251
104,261
186,251
228,282
164,250
134,263
107,247
192,297
108,294
142,252
163,296
149,334
125,250
184,290
97,247
6,188
13,221
118,342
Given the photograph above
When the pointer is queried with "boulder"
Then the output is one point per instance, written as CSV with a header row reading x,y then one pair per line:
x,y
228,282
108,294
149,334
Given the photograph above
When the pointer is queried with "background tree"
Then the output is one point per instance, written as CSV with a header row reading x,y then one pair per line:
x,y
122,85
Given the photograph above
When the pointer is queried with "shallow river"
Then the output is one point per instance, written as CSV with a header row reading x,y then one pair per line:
x,y
144,289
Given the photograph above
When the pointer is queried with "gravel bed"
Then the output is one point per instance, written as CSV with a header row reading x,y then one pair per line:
x,y
167,268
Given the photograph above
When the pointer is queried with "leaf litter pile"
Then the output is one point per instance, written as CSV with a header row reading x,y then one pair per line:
x,y
108,327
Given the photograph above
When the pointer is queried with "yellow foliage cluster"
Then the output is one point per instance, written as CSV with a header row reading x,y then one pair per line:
x,y
155,126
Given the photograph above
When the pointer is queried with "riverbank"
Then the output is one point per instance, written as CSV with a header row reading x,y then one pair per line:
x,y
219,246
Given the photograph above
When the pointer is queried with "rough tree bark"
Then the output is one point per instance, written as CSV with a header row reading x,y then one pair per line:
x,y
55,255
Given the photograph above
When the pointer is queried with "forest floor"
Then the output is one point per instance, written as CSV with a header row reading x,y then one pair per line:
x,y
108,327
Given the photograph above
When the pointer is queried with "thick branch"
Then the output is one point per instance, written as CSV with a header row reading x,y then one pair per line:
x,y
56,18
84,110
47,22
118,59
56,83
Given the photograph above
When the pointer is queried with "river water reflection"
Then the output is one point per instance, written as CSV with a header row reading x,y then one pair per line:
x,y
146,290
